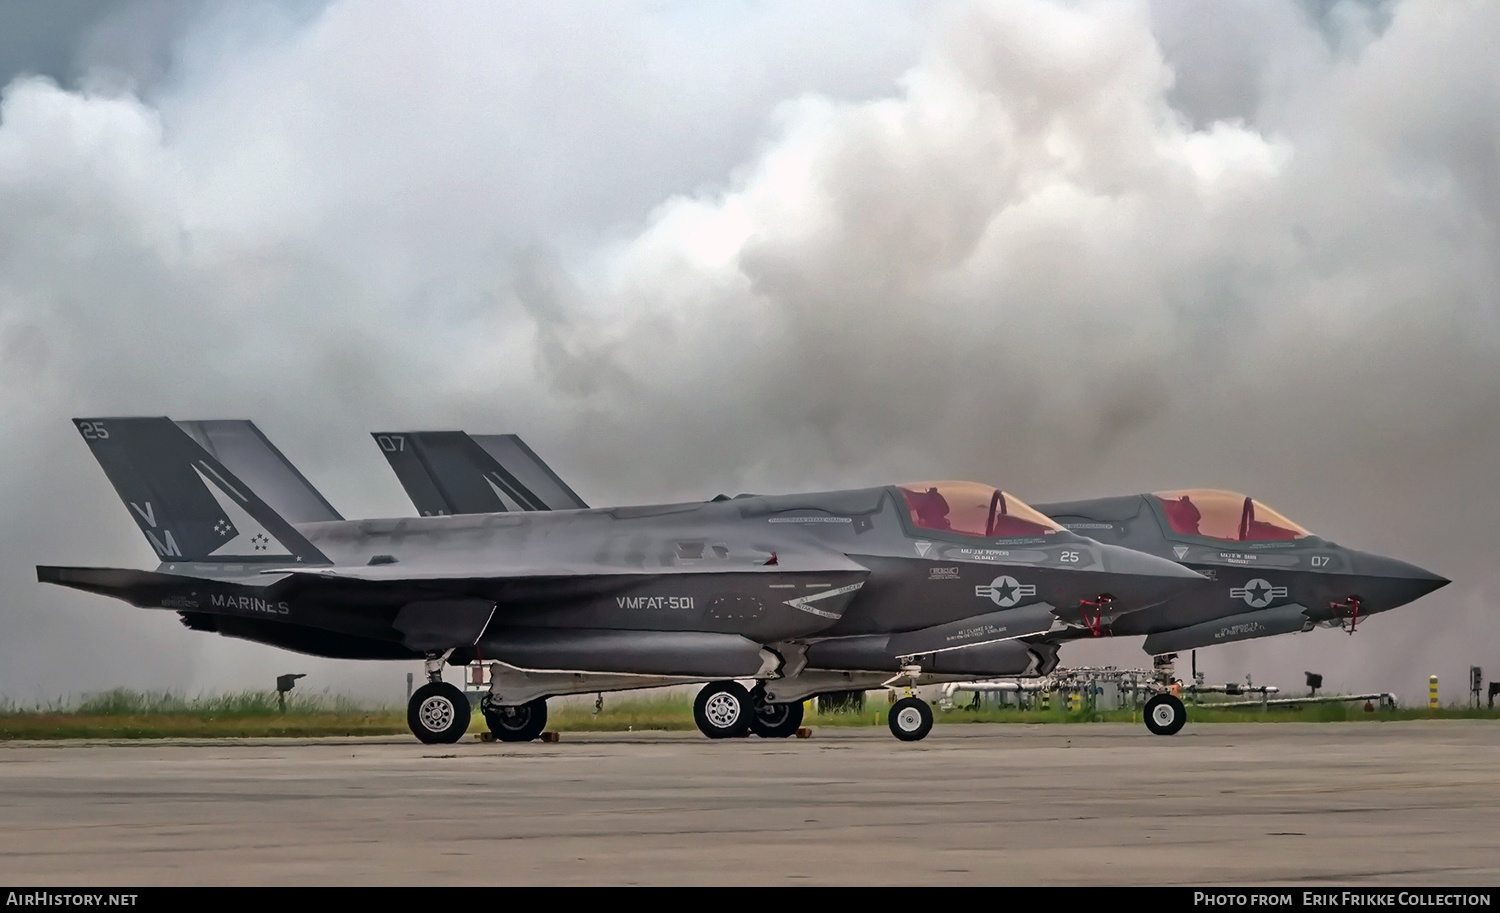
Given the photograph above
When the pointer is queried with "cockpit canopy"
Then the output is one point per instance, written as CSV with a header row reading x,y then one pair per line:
x,y
1225,515
973,509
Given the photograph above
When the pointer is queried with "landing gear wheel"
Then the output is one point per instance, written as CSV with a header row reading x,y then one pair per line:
x,y
1165,715
910,719
723,710
438,714
775,721
521,723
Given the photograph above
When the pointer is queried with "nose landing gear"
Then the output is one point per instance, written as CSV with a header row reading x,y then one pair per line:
x,y
438,713
1165,714
910,719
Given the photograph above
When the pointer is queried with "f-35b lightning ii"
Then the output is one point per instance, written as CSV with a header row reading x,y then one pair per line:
x,y
898,582
1271,575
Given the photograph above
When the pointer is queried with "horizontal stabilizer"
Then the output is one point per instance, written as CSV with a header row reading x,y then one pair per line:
x,y
155,590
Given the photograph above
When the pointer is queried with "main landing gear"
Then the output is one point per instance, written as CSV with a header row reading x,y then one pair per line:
x,y
723,710
438,713
774,721
521,723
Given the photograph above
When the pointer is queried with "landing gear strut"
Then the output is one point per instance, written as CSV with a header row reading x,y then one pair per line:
x,y
774,721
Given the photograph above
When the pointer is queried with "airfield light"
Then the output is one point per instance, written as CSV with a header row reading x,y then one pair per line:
x,y
1314,682
285,683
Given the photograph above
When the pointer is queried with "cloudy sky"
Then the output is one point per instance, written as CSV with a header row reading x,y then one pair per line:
x,y
1066,248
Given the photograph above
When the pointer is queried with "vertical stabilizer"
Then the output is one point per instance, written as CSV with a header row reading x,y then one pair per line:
x,y
529,471
448,472
188,504
251,456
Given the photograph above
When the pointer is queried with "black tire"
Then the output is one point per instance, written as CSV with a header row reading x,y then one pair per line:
x,y
438,713
723,710
775,721
1165,715
521,723
910,719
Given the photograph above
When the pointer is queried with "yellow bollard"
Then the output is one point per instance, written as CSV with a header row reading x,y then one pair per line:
x,y
1073,702
1432,696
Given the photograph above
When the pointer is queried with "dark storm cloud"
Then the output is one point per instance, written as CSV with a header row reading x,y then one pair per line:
x,y
1069,249
42,38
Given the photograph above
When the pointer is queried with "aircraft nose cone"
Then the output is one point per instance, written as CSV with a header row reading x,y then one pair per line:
x,y
1426,581
1400,581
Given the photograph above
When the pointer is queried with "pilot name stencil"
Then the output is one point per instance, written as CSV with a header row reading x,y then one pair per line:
x,y
981,554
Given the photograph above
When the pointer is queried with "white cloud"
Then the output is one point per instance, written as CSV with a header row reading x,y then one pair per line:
x,y
687,253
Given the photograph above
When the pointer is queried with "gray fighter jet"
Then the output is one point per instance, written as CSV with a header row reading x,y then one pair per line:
x,y
1272,576
904,581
